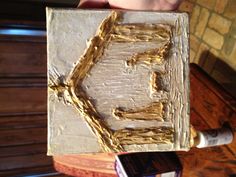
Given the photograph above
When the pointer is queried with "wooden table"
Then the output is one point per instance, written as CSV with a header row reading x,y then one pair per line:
x,y
211,106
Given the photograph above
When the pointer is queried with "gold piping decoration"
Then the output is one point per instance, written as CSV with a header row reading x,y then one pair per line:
x,y
141,33
154,85
93,53
152,56
111,30
152,135
154,111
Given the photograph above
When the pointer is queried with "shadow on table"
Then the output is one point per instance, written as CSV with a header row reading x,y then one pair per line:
x,y
219,70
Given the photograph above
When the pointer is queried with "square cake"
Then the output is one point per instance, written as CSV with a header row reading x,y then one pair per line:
x,y
117,81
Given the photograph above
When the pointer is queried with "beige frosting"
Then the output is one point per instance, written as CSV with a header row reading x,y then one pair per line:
x,y
161,100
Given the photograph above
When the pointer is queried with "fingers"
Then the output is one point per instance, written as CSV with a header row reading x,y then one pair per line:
x,y
169,4
92,3
145,4
132,4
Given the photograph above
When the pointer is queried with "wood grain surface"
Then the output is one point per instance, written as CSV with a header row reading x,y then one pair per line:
x,y
23,107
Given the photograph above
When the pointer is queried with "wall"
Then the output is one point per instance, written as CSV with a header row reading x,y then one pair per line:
x,y
213,38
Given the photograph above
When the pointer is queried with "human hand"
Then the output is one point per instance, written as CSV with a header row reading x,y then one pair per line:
x,y
132,4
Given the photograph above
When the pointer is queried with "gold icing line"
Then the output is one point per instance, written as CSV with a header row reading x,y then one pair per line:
x,y
141,33
108,142
154,87
95,49
152,112
93,53
151,56
152,135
